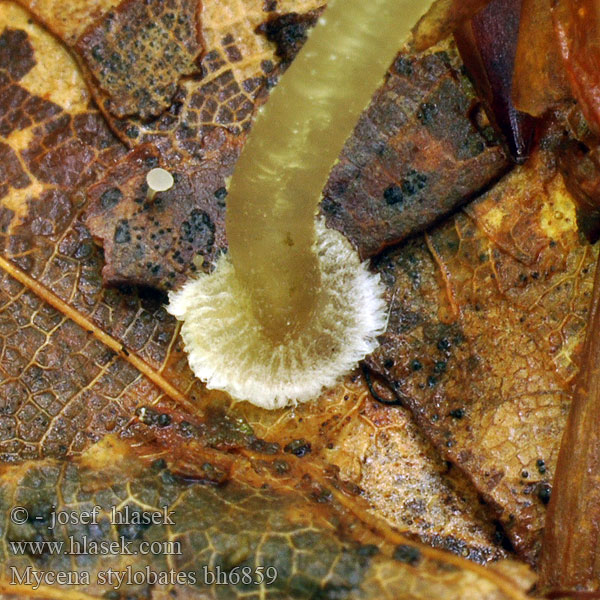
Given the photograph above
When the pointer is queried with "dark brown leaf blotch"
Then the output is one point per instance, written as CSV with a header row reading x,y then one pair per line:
x,y
137,53
415,155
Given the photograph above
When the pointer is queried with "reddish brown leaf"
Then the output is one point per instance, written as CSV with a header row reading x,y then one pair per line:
x,y
539,80
488,45
157,242
569,562
577,25
199,137
12,174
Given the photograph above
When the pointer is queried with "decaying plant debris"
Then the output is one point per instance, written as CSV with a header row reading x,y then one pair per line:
x,y
440,493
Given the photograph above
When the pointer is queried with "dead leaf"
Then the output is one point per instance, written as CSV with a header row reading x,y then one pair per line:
x,y
96,389
414,156
487,316
157,242
378,449
137,53
218,530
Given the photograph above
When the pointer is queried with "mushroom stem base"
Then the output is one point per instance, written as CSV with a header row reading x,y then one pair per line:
x,y
228,349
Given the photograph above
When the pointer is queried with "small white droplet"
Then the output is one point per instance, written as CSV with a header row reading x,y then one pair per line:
x,y
159,180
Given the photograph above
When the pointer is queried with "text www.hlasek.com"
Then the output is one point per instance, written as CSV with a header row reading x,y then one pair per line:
x,y
93,547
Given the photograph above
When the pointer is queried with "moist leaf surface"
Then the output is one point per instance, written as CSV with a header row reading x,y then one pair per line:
x,y
238,525
487,316
415,155
95,388
137,53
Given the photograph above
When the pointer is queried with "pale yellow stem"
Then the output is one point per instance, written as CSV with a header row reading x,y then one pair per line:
x,y
296,138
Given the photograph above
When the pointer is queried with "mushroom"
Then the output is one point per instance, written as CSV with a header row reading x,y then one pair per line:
x,y
290,308
158,180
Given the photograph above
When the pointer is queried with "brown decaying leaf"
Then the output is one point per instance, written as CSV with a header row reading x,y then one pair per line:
x,y
77,359
153,43
486,319
539,80
236,68
569,562
415,155
430,106
367,442
137,53
488,46
442,19
156,242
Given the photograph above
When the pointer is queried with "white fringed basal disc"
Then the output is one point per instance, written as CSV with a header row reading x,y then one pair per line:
x,y
228,350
